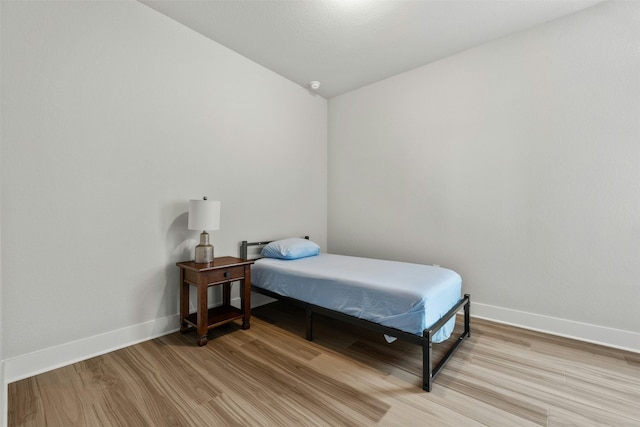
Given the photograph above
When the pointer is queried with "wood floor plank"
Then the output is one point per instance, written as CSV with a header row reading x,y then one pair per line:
x,y
25,408
269,375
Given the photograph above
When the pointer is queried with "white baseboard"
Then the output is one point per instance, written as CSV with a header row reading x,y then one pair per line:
x,y
30,364
40,361
616,338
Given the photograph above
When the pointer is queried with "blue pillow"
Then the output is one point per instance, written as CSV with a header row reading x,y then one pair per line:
x,y
292,248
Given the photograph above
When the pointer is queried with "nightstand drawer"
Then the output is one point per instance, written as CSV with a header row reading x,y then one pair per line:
x,y
214,276
226,274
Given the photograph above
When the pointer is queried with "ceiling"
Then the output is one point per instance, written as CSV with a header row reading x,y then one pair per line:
x,y
347,44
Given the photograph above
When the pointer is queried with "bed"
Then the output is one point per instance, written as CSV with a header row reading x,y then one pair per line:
x,y
412,302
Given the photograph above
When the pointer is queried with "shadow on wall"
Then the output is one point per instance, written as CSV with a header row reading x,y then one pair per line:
x,y
180,240
179,246
156,292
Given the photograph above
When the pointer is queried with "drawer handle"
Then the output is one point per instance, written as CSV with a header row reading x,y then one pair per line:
x,y
227,274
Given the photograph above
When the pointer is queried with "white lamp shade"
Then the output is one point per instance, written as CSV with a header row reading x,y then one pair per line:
x,y
204,215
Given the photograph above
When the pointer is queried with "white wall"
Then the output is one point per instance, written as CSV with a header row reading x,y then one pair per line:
x,y
516,163
113,117
3,386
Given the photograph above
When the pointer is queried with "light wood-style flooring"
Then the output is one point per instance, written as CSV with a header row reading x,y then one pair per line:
x,y
270,375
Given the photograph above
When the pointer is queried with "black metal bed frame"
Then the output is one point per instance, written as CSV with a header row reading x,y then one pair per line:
x,y
429,370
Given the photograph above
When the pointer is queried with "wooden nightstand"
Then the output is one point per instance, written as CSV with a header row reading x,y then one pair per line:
x,y
222,271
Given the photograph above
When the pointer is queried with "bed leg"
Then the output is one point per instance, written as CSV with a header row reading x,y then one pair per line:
x,y
427,358
309,321
467,315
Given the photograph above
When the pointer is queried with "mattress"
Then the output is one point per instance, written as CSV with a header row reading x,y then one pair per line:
x,y
405,296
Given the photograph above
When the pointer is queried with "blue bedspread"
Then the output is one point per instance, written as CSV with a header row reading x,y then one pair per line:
x,y
405,296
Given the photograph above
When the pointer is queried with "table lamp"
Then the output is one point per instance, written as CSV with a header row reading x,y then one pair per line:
x,y
204,215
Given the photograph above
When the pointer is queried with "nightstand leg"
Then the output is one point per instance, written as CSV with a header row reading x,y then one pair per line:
x,y
203,314
184,303
226,294
245,298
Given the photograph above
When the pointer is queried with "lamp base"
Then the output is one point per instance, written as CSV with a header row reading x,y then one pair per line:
x,y
204,251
